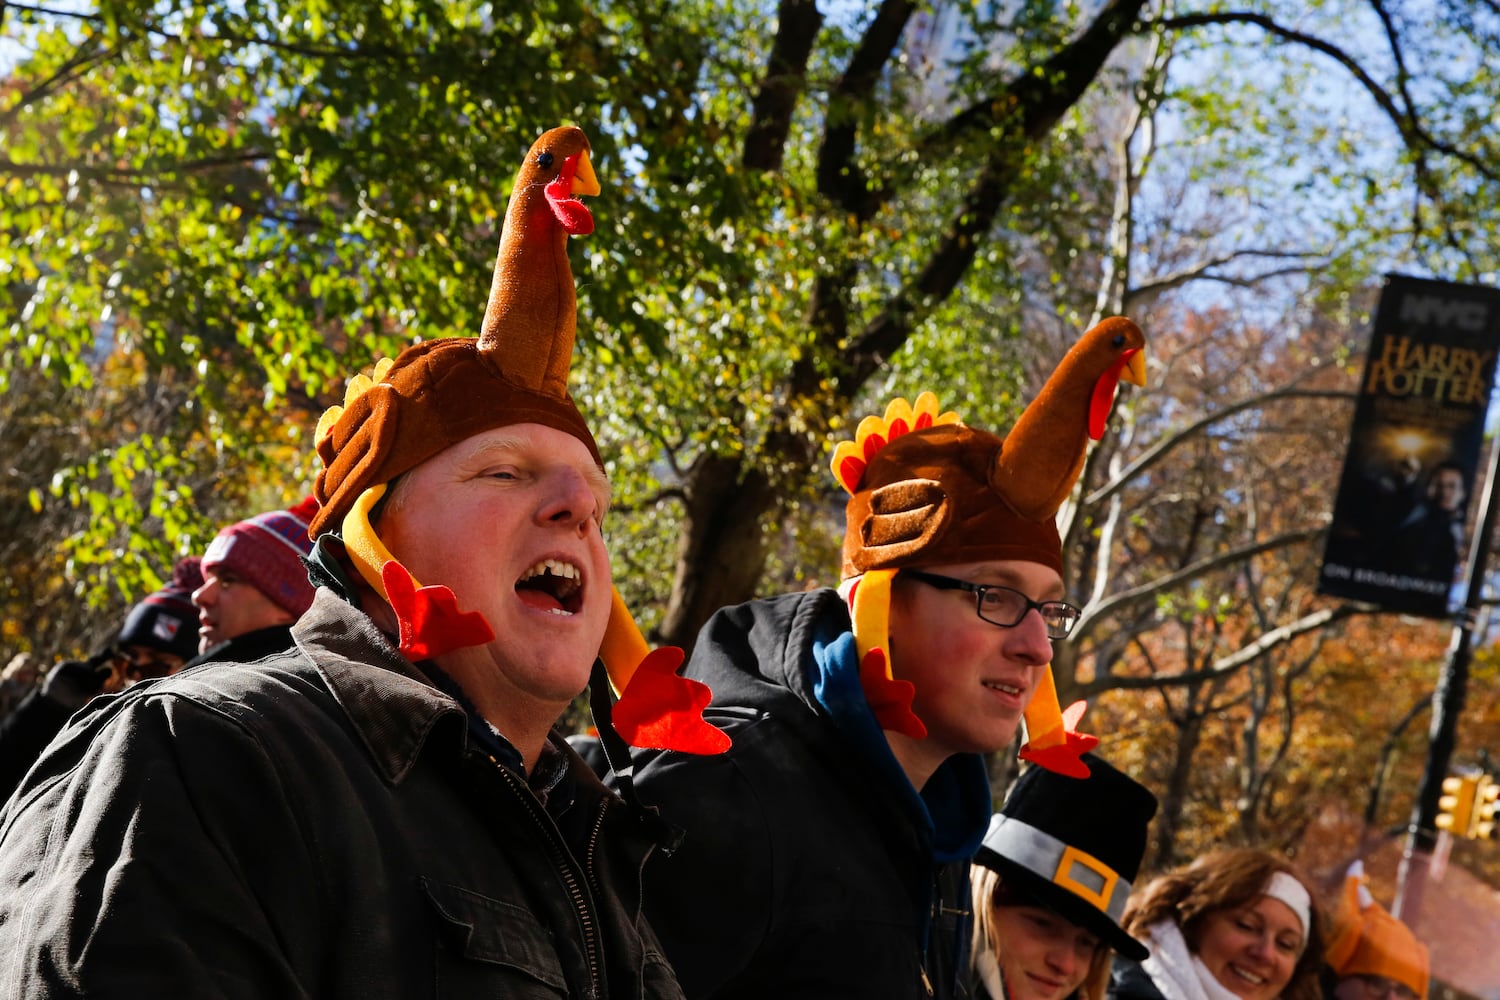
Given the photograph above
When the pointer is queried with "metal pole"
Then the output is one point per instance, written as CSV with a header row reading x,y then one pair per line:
x,y
1447,706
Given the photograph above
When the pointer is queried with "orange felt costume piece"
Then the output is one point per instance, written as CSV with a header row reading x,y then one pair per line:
x,y
1368,941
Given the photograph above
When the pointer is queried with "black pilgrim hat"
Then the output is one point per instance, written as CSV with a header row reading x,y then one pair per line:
x,y
1074,845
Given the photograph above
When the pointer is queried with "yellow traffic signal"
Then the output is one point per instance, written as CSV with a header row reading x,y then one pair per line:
x,y
1485,823
1456,806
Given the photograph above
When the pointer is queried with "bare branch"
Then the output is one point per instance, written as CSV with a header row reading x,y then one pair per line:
x,y
55,12
1157,452
1314,622
1407,124
1234,661
1125,599
1202,269
797,27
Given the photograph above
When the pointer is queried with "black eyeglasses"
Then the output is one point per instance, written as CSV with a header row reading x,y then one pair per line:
x,y
1005,606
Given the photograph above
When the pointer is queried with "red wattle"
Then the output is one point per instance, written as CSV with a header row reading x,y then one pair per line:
x,y
568,210
1104,396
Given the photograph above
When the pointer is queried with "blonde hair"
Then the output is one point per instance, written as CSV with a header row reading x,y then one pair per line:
x,y
984,887
1226,880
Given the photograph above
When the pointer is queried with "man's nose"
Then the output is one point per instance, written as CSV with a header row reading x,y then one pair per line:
x,y
1029,639
570,499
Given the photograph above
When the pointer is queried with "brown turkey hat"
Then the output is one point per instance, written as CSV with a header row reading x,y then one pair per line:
x,y
441,392
927,498
948,493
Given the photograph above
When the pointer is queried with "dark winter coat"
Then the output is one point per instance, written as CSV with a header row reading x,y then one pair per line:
x,y
27,730
318,824
810,867
247,648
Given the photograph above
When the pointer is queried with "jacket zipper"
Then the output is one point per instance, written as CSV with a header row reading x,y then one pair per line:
x,y
560,859
591,852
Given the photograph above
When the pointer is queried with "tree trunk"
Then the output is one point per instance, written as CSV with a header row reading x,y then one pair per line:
x,y
722,545
1174,792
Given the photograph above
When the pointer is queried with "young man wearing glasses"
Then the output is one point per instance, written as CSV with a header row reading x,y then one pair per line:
x,y
826,853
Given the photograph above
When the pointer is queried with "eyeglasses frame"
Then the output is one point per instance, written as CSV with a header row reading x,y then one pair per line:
x,y
941,582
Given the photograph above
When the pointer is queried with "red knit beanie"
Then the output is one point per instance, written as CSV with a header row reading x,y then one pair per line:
x,y
267,550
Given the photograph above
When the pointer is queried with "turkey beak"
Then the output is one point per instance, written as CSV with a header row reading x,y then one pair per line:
x,y
584,181
1135,367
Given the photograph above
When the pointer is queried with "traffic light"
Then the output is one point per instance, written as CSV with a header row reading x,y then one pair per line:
x,y
1485,823
1456,807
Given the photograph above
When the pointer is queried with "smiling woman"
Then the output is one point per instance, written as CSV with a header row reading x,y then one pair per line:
x,y
1237,924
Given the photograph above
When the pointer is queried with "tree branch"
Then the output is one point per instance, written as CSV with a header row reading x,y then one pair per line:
x,y
1200,271
1125,599
839,177
1234,661
1157,452
87,54
798,22
133,177
1406,122
1032,103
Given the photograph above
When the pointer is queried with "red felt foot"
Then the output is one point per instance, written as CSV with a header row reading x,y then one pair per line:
x,y
430,621
1065,757
659,710
889,698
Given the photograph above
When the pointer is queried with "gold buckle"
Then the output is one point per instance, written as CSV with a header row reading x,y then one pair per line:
x,y
1064,877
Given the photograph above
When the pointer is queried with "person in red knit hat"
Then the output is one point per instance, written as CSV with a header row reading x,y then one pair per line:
x,y
255,584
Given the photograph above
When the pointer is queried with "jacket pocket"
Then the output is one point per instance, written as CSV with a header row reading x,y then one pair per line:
x,y
486,942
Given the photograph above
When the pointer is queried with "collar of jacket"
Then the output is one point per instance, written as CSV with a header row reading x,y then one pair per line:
x,y
390,703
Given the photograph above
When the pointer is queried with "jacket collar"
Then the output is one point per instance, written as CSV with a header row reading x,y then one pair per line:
x,y
394,715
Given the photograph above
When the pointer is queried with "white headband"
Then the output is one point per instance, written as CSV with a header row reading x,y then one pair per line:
x,y
1293,893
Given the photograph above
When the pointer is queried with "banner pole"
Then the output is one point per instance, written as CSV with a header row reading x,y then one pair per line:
x,y
1447,705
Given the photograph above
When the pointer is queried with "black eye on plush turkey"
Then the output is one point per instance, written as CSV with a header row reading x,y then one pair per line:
x,y
544,160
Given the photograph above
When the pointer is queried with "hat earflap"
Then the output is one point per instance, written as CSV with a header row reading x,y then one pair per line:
x,y
656,708
428,619
1052,737
869,598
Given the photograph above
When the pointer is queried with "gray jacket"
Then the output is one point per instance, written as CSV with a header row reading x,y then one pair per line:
x,y
316,824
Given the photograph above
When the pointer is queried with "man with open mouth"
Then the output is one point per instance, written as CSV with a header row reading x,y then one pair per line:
x,y
382,810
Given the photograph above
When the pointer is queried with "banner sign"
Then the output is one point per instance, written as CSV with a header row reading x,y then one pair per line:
x,y
1398,535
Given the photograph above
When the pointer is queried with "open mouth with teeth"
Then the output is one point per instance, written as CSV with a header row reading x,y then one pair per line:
x,y
553,586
